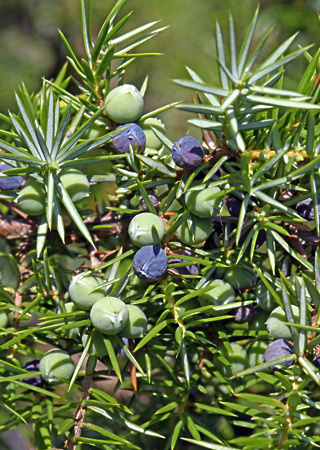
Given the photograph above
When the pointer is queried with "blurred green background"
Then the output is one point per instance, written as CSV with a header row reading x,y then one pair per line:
x,y
31,47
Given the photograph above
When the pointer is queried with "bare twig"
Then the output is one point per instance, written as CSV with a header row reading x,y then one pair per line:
x,y
79,414
133,370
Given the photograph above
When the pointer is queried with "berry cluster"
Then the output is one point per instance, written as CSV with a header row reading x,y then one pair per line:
x,y
124,106
109,315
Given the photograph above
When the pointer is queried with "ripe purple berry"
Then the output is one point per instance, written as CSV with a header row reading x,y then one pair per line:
x,y
187,152
244,314
316,362
153,197
233,204
260,239
150,263
276,349
10,182
33,366
305,208
193,269
131,135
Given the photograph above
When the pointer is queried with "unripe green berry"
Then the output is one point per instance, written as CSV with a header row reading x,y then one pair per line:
x,y
32,199
84,290
71,333
275,326
124,104
194,230
146,229
109,315
264,298
238,360
3,319
239,277
188,306
152,141
220,294
201,204
9,271
256,351
27,321
258,323
56,364
97,345
75,183
136,325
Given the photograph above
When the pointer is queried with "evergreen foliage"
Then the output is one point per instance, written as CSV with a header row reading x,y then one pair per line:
x,y
201,331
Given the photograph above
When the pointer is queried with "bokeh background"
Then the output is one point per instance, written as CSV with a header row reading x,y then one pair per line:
x,y
30,47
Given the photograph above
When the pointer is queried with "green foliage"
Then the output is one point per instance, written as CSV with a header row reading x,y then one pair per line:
x,y
163,364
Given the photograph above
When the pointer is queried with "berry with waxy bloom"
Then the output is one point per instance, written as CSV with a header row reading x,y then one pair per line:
x,y
109,315
277,349
76,184
233,203
10,182
84,290
150,263
187,152
132,135
316,362
201,204
124,104
33,366
136,325
146,229
244,314
305,208
56,364
32,198
192,269
153,198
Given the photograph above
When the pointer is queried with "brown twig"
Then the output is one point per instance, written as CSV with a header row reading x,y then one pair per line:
x,y
133,370
79,414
